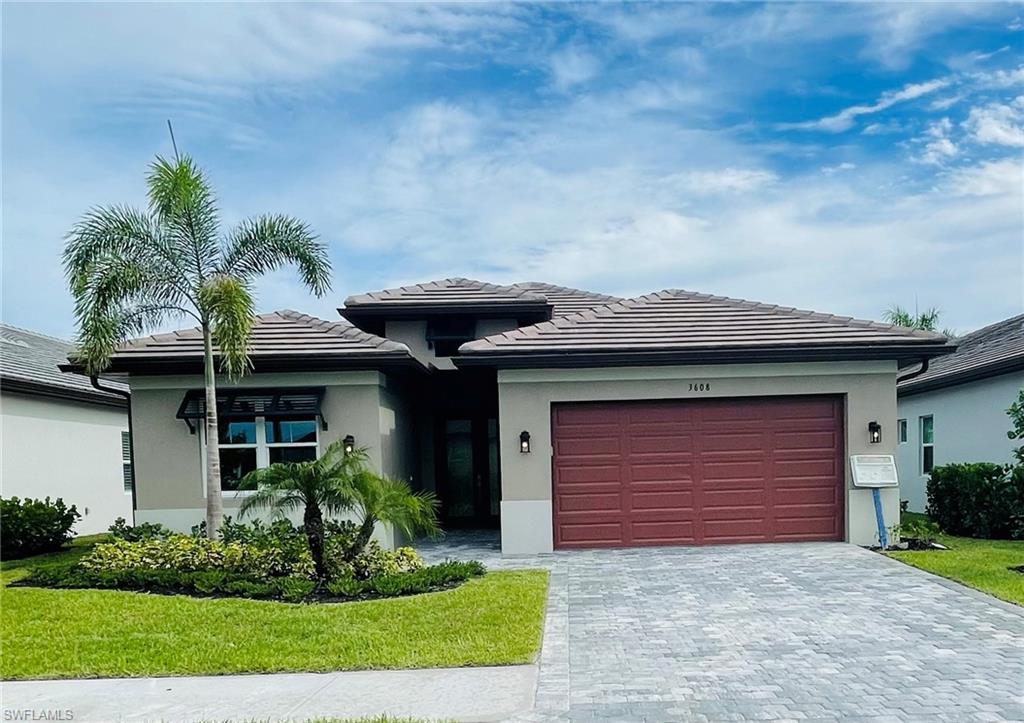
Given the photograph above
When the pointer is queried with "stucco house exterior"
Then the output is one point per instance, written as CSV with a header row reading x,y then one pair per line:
x,y
60,436
956,410
567,419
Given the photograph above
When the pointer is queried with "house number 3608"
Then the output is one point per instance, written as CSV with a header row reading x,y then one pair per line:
x,y
700,386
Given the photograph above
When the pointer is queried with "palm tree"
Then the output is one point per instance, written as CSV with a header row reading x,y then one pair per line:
x,y
335,483
130,271
927,320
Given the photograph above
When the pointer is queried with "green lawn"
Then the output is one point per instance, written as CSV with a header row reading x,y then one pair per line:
x,y
981,564
493,620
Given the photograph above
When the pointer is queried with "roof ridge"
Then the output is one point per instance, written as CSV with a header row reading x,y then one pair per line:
x,y
348,330
31,332
989,328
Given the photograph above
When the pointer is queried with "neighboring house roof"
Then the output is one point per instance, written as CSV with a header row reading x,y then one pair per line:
x,y
681,326
446,296
29,364
281,341
566,300
994,349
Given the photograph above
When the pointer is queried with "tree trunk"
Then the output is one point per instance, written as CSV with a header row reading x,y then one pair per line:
x,y
214,499
313,521
362,538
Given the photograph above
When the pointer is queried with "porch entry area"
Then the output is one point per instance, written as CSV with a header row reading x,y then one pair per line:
x,y
467,468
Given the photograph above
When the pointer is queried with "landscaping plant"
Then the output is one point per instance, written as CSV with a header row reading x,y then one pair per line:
x,y
131,270
979,499
32,527
336,483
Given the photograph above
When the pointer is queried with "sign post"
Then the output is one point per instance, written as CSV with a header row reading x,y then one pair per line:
x,y
875,471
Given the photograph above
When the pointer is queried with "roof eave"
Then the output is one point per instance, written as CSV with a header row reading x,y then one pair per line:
x,y
908,352
28,387
915,386
401,310
265,363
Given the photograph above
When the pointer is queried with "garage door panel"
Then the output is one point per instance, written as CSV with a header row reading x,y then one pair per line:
x,y
569,474
600,501
662,500
698,471
662,533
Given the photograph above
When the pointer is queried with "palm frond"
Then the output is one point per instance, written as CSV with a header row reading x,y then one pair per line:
x,y
182,200
228,305
266,243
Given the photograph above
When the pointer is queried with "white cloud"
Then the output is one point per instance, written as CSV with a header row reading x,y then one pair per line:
x,y
844,166
998,123
938,147
999,79
845,119
572,66
992,178
726,180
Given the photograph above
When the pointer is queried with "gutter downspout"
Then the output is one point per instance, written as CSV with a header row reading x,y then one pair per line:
x,y
911,375
95,381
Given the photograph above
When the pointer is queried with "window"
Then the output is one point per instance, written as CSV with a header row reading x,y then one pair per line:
x,y
126,461
258,442
901,430
446,334
927,444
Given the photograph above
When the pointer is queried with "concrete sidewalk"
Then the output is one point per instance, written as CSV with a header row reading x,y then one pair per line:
x,y
469,694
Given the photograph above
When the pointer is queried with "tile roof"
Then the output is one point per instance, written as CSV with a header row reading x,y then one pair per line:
x,y
994,349
691,324
277,337
446,293
567,300
29,362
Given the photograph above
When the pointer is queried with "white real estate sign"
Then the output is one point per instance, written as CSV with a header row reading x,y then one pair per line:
x,y
874,470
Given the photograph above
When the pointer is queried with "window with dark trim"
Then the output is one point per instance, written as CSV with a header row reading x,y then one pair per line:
x,y
247,444
901,431
927,444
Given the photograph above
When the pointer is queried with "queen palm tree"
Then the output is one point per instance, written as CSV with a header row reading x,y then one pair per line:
x,y
130,271
338,482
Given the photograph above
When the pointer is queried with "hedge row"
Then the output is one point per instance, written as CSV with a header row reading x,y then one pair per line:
x,y
980,499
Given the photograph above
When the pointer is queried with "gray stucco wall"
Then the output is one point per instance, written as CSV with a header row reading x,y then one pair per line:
x,y
170,485
970,425
65,449
525,398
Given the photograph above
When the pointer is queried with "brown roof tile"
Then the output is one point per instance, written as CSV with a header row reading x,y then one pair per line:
x,y
682,322
994,349
566,300
446,292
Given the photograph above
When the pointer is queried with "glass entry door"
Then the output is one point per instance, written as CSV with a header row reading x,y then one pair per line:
x,y
470,488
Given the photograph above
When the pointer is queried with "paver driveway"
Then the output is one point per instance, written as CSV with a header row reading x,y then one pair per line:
x,y
814,631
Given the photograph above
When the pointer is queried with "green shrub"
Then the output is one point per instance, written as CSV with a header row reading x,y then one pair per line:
x,y
136,533
32,527
376,562
980,499
182,553
226,583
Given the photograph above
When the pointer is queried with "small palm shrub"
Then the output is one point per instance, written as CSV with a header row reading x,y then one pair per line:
x,y
32,527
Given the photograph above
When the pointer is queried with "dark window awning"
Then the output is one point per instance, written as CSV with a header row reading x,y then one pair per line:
x,y
237,403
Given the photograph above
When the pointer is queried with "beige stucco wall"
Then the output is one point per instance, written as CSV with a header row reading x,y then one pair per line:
x,y
65,449
525,398
169,465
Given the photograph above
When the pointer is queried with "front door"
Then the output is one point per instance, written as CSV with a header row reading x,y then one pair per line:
x,y
468,472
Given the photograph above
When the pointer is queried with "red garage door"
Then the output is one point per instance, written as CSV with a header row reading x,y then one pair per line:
x,y
698,472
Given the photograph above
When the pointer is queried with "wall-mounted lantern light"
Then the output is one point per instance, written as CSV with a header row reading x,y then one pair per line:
x,y
349,443
524,442
874,432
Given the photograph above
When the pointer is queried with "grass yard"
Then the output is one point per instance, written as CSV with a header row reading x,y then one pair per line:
x,y
493,620
981,564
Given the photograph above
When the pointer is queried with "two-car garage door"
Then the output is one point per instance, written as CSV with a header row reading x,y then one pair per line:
x,y
698,472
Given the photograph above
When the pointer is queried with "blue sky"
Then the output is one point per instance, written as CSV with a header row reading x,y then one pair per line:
x,y
835,157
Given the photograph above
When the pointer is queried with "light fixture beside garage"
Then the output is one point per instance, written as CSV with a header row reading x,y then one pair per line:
x,y
874,432
349,443
524,442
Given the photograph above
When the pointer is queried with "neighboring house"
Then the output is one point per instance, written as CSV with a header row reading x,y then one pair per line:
x,y
567,419
956,410
61,437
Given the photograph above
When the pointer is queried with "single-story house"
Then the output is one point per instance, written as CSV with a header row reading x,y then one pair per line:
x,y
61,436
956,410
567,419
